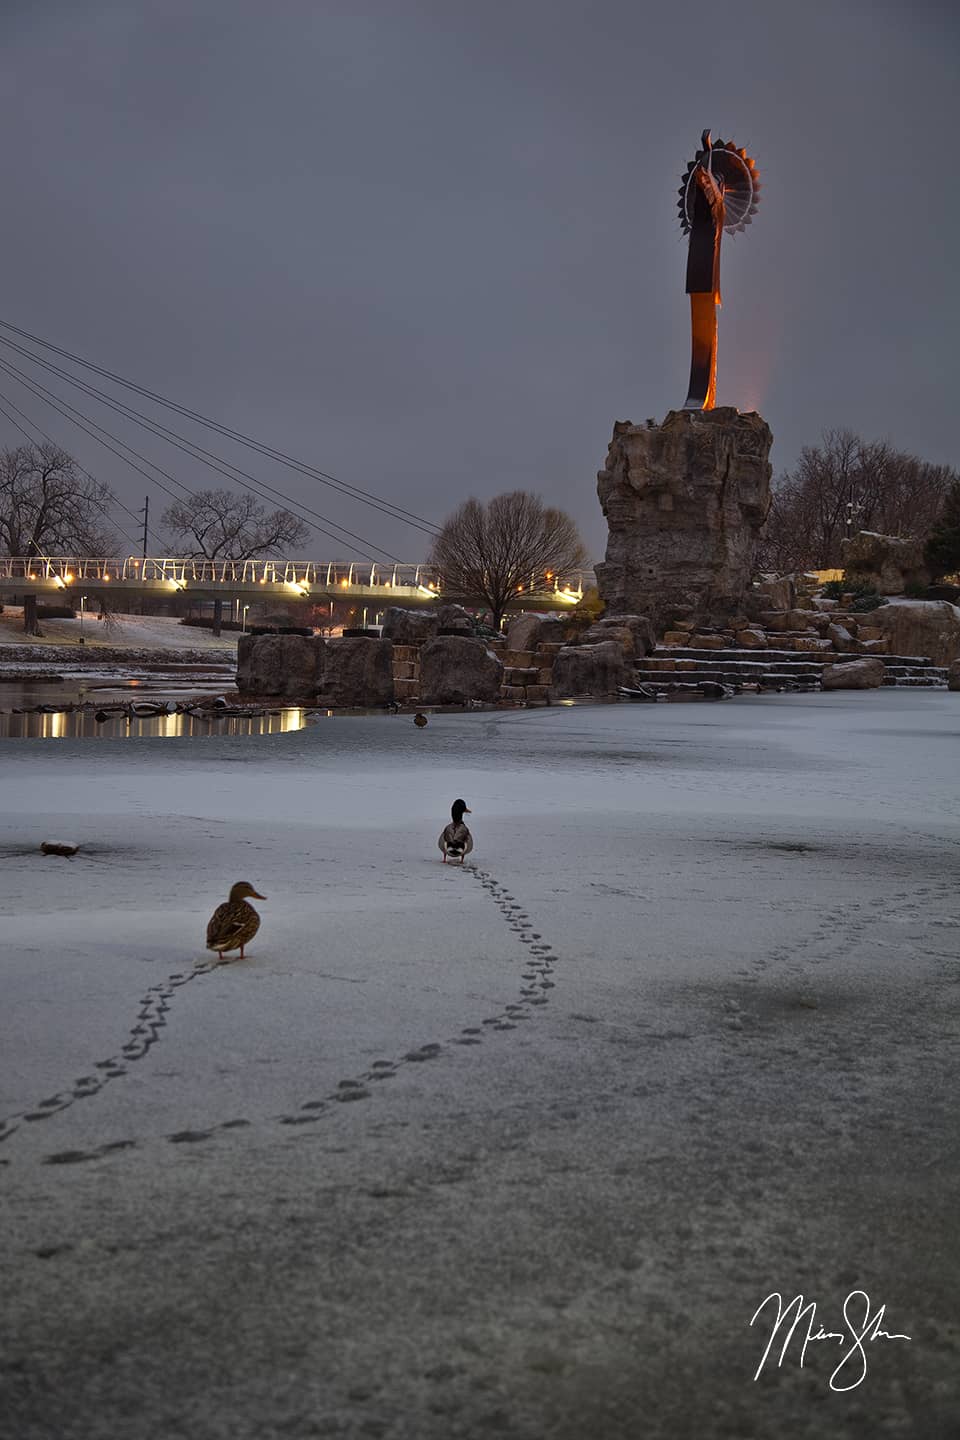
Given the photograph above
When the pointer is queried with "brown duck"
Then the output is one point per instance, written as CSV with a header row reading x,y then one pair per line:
x,y
234,923
455,841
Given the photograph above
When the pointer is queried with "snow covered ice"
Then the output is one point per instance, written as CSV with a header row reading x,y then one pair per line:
x,y
682,1032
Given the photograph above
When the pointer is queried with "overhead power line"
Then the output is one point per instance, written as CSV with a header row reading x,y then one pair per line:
x,y
191,448
271,452
223,467
37,430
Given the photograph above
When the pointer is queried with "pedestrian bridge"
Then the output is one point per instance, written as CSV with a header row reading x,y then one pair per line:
x,y
250,581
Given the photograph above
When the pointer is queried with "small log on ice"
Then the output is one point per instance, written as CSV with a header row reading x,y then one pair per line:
x,y
58,847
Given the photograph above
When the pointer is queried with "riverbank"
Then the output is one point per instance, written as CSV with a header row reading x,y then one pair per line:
x,y
118,633
513,1150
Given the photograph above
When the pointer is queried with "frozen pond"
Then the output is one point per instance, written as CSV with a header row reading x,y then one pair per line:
x,y
683,1034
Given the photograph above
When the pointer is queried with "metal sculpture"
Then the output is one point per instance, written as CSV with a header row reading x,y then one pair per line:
x,y
719,191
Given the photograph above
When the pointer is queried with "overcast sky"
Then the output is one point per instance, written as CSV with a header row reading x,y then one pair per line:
x,y
431,246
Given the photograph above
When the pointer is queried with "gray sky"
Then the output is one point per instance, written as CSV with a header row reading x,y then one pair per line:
x,y
432,248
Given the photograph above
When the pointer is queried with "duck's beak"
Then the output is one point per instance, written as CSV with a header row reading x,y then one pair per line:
x,y
466,811
257,896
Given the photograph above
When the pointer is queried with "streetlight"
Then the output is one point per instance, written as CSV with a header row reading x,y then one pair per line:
x,y
83,601
243,628
852,509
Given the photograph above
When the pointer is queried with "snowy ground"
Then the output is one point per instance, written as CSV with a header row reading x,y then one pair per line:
x,y
144,632
685,1034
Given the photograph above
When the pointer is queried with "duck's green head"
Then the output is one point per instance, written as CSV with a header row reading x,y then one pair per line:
x,y
458,809
241,890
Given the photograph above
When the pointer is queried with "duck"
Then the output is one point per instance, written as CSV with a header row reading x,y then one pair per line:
x,y
455,839
234,923
419,720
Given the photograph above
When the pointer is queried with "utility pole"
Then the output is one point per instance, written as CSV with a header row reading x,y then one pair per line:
x,y
146,512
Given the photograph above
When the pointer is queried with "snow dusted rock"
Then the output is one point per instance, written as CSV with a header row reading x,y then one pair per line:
x,y
59,847
921,627
409,627
841,638
588,670
752,638
855,675
533,630
288,666
887,562
454,617
634,633
455,669
778,593
357,670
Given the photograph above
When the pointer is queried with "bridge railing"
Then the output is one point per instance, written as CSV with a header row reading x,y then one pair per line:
x,y
71,571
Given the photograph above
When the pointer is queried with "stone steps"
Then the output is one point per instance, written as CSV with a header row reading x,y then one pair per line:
x,y
683,667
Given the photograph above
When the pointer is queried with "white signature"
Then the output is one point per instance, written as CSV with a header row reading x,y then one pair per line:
x,y
854,1362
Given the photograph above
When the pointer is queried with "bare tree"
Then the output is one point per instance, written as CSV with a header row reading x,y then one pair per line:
x,y
230,525
487,553
843,485
48,505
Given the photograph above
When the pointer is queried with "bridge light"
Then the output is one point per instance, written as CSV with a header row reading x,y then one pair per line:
x,y
344,584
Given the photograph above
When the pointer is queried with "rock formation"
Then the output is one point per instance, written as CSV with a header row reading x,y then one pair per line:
x,y
588,670
854,675
634,633
287,666
528,631
920,627
886,562
409,627
684,503
455,669
358,670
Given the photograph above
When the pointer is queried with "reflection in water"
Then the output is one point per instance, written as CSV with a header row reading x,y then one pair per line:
x,y
80,724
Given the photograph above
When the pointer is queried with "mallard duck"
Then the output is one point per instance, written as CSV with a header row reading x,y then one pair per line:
x,y
234,923
419,720
455,839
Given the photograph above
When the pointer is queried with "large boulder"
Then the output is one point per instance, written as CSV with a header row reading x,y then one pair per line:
x,y
854,675
684,503
454,617
285,666
887,562
841,638
588,670
358,671
409,627
774,592
455,669
525,632
920,627
633,632
953,676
